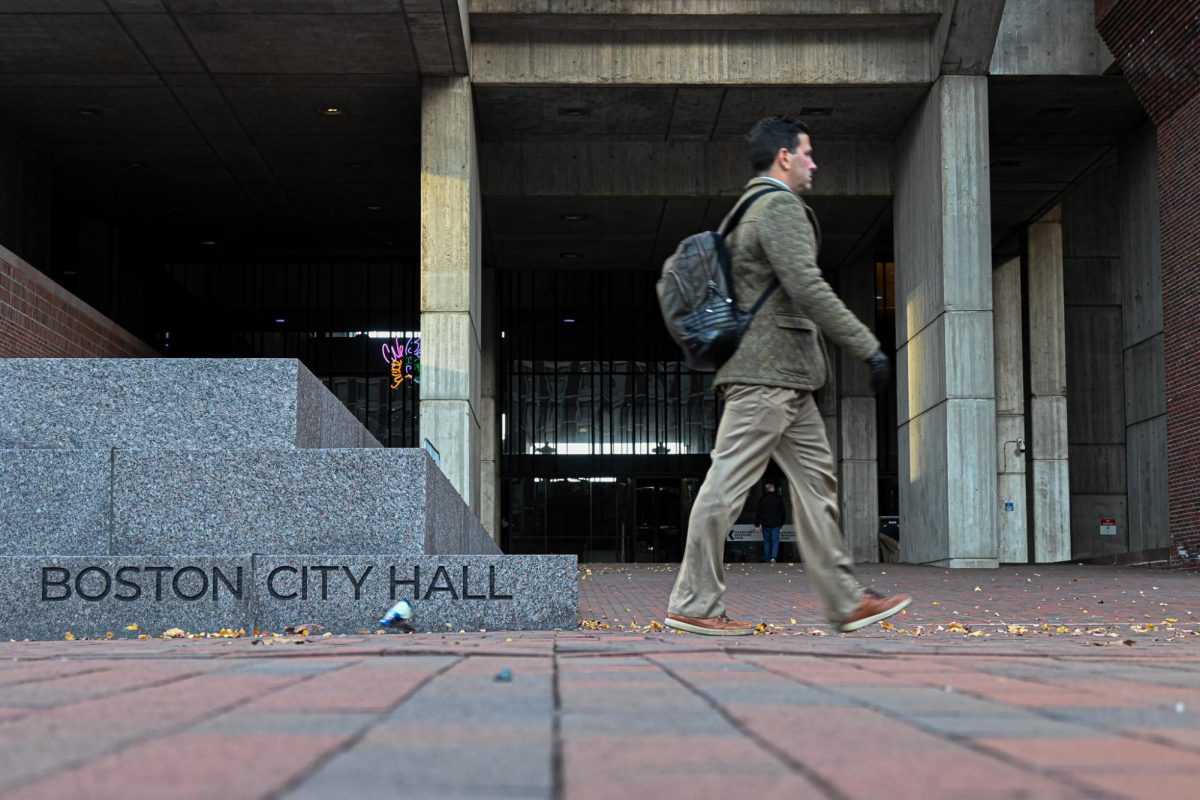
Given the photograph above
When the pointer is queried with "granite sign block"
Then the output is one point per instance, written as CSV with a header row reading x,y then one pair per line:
x,y
44,597
263,501
54,502
448,592
99,403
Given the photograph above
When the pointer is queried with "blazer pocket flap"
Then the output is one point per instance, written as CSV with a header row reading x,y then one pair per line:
x,y
795,322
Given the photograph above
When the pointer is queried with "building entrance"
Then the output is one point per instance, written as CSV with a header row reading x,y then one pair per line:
x,y
600,519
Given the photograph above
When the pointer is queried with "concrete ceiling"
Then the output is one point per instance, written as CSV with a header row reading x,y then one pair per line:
x,y
202,118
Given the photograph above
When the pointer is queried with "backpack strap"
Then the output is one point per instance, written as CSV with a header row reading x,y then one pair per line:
x,y
732,223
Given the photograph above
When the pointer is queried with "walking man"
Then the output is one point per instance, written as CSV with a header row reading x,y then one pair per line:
x,y
768,385
768,520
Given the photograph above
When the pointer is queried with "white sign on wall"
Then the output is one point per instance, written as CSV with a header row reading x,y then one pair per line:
x,y
1108,526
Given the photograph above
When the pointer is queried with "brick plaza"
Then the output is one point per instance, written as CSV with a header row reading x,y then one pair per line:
x,y
1037,681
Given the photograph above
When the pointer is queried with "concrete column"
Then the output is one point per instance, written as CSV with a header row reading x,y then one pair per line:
x,y
945,391
1142,312
450,282
1011,528
489,462
1048,477
858,445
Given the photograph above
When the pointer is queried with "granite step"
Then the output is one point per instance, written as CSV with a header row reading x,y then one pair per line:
x,y
43,597
104,403
166,501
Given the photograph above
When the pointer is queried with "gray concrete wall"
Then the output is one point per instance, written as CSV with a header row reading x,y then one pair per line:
x,y
1049,37
1011,446
1095,385
945,371
1142,340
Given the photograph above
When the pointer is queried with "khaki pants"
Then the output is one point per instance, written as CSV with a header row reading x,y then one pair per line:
x,y
760,423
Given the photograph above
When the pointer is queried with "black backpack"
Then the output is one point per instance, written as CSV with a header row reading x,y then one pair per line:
x,y
695,292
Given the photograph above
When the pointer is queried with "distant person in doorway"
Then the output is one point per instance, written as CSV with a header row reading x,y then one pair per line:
x,y
770,413
768,520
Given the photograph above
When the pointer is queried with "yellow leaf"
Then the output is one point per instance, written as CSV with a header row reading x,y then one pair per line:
x,y
887,626
174,633
145,636
70,637
132,627
1169,619
975,633
936,603
793,621
109,635
1062,629
1017,630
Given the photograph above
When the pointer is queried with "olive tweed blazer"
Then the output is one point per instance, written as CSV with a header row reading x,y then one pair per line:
x,y
779,237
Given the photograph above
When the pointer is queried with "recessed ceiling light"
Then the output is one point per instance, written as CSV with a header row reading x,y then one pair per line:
x,y
87,111
574,112
329,111
573,217
568,319
570,255
816,111
281,320
374,208
208,242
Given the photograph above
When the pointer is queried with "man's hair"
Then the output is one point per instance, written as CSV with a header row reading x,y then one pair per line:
x,y
768,136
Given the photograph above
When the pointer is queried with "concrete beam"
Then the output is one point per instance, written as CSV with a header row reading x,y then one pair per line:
x,y
440,34
966,36
688,58
1049,37
705,14
606,168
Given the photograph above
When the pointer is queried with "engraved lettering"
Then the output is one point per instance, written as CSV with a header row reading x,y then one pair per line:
x,y
137,590
220,577
92,597
357,584
175,581
64,581
466,592
492,585
158,573
324,579
434,587
415,582
271,583
304,583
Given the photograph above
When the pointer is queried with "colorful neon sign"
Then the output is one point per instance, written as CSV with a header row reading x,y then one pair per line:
x,y
404,358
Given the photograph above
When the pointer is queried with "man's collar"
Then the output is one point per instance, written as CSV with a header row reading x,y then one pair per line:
x,y
766,178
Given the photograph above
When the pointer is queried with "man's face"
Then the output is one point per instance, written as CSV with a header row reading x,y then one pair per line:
x,y
770,487
798,165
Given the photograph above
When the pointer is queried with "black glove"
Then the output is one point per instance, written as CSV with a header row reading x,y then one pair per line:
x,y
881,371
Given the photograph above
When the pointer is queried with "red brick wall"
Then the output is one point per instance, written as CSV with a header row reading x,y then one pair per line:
x,y
40,319
1154,42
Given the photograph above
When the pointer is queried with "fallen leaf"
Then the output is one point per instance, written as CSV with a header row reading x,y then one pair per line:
x,y
174,633
887,626
145,636
70,637
132,627
109,635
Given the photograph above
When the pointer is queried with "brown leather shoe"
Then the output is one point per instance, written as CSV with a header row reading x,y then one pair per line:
x,y
874,608
713,626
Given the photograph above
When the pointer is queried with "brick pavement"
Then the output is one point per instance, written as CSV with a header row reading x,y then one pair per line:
x,y
1093,692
